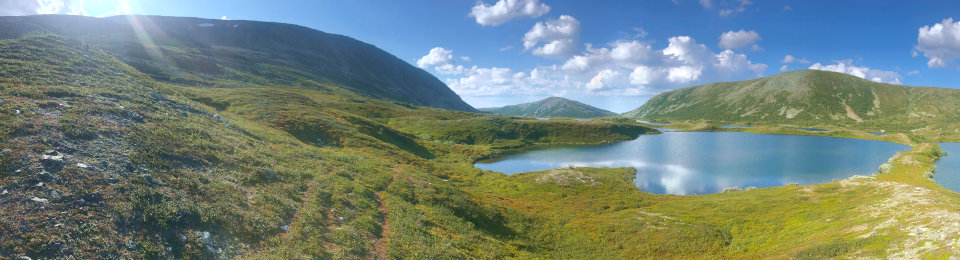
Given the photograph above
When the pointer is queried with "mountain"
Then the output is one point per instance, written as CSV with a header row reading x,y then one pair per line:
x,y
101,160
551,107
805,96
183,50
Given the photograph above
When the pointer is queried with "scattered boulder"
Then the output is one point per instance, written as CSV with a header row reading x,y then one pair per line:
x,y
39,200
52,161
157,96
82,165
45,176
269,173
209,242
133,115
147,177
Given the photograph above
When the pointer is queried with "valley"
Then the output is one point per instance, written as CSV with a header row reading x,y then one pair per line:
x,y
111,154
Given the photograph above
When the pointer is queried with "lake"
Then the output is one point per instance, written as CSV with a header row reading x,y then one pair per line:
x,y
948,167
685,163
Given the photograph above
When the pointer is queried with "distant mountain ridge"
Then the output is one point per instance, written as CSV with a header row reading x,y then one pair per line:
x,y
178,49
805,96
551,107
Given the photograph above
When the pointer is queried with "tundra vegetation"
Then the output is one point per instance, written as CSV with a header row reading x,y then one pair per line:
x,y
100,160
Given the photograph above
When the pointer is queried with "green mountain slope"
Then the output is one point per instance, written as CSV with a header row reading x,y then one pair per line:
x,y
551,107
100,160
182,50
806,97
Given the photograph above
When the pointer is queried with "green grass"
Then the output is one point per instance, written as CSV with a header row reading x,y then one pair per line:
x,y
357,177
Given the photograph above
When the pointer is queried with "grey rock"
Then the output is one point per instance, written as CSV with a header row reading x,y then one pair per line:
x,y
24,258
285,228
4,192
39,200
157,96
270,173
52,162
45,176
147,177
133,115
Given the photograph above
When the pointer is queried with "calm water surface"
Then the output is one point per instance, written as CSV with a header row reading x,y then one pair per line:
x,y
948,167
703,162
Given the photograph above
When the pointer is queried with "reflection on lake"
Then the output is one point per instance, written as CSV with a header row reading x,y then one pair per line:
x,y
706,162
948,167
649,123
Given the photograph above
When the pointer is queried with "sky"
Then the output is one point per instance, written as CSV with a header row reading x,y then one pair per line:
x,y
610,54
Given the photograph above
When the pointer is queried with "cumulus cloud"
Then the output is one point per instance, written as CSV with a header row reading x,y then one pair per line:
x,y
789,58
505,10
940,43
560,37
436,57
739,39
32,7
624,67
847,67
783,68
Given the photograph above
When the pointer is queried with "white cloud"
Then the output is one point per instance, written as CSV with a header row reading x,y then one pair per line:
x,y
561,37
804,61
940,43
436,57
783,68
465,58
847,67
604,79
739,39
707,4
639,32
622,68
913,72
224,17
32,7
728,11
684,74
504,10
789,59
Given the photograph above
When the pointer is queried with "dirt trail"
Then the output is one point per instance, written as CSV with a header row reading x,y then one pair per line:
x,y
381,249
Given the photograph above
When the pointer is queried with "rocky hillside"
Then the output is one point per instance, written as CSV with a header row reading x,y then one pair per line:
x,y
805,96
551,107
185,50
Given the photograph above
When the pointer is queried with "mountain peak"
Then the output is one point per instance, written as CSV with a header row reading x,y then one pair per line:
x,y
187,49
551,107
811,96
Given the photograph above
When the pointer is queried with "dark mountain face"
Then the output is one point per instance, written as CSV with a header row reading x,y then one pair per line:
x,y
176,49
551,107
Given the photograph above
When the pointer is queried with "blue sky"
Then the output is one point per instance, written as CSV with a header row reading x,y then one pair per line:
x,y
610,54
